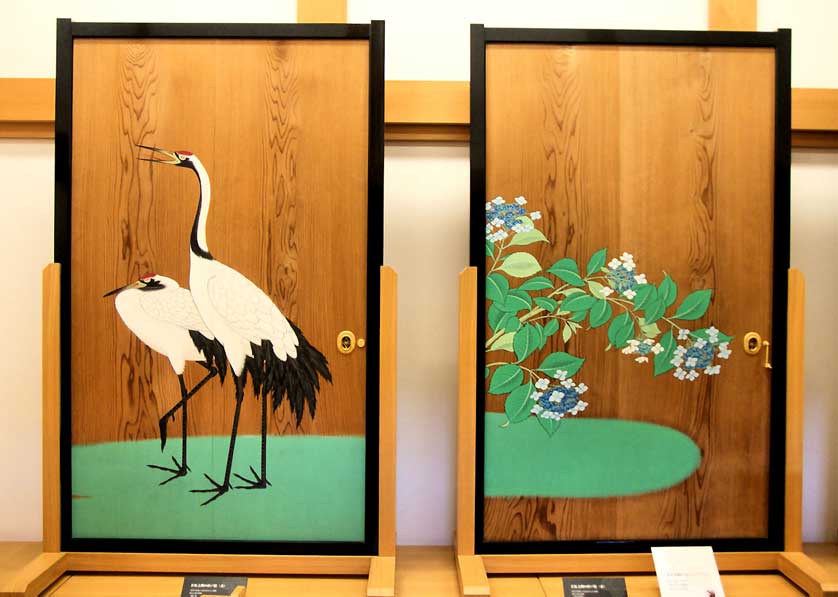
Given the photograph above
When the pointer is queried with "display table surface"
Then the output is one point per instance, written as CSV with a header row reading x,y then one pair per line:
x,y
420,571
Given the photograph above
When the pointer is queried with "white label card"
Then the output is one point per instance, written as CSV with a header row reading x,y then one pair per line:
x,y
687,572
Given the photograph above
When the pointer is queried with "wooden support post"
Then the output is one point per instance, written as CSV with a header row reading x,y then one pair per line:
x,y
732,15
794,413
51,406
321,11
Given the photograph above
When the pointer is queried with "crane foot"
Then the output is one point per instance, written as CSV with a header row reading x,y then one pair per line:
x,y
256,482
178,470
218,489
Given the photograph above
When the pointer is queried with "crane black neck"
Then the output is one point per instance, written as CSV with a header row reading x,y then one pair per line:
x,y
194,245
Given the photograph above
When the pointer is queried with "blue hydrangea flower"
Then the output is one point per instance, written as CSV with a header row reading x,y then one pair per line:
x,y
558,401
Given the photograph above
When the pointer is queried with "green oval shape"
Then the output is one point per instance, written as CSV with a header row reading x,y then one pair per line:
x,y
585,458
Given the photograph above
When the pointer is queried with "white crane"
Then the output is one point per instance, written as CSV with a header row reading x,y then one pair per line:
x,y
257,338
164,317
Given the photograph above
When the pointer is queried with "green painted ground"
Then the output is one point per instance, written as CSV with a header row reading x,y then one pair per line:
x,y
317,491
585,458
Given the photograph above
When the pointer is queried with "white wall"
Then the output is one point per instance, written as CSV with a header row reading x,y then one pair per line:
x,y
426,198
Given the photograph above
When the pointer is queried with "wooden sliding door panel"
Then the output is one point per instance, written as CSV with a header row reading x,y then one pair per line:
x,y
241,163
664,156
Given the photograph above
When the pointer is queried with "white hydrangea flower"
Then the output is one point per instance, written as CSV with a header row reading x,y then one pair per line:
x,y
629,265
683,334
536,409
542,383
518,228
497,222
700,343
629,294
724,351
712,331
713,370
489,228
488,205
657,348
680,351
692,375
567,383
520,200
581,388
640,279
642,359
536,396
614,263
536,215
607,290
677,361
560,375
626,257
680,374
497,200
692,361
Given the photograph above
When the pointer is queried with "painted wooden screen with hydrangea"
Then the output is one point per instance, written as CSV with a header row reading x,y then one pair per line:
x,y
628,232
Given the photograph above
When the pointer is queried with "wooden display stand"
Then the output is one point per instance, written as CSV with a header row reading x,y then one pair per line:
x,y
473,569
50,565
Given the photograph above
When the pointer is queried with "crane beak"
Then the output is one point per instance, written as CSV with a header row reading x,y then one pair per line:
x,y
120,289
173,158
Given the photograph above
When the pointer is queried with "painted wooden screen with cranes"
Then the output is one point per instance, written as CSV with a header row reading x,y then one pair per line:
x,y
287,122
630,225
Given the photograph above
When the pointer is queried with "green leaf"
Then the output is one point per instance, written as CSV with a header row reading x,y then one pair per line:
x,y
596,261
518,404
526,342
551,328
597,289
663,358
495,316
490,248
537,283
505,379
515,301
578,302
527,238
567,270
560,361
510,323
542,338
487,373
520,265
567,333
649,330
621,330
644,295
654,311
549,425
695,305
600,313
496,287
570,291
702,333
505,342
578,315
668,291
546,303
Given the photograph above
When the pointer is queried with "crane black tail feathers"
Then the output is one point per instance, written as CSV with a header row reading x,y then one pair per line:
x,y
213,352
298,378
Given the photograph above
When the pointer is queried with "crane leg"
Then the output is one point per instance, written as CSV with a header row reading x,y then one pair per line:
x,y
164,420
259,482
180,469
220,489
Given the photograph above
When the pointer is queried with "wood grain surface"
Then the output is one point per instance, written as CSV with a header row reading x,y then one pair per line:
x,y
281,127
666,153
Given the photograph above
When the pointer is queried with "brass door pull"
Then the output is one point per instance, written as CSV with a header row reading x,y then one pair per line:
x,y
752,343
346,342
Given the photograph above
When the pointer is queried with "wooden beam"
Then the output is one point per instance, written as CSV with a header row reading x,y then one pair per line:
x,y
413,110
466,415
51,400
321,11
388,320
794,412
732,15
